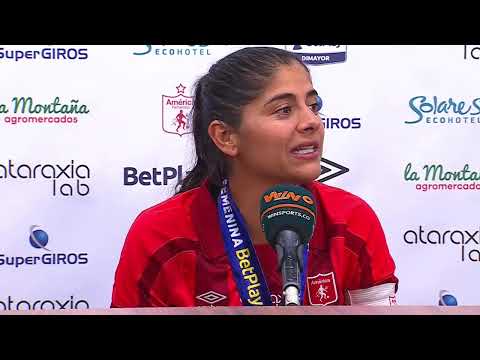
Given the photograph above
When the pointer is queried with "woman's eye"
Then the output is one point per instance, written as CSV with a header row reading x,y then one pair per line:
x,y
315,108
284,110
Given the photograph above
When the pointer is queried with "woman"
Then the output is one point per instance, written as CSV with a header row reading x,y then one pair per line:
x,y
256,124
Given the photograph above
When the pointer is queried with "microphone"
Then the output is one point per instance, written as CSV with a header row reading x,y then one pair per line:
x,y
288,215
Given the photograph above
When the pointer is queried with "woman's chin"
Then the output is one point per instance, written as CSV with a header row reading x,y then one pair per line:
x,y
305,177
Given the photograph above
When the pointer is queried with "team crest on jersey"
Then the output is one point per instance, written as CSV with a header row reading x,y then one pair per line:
x,y
176,110
322,289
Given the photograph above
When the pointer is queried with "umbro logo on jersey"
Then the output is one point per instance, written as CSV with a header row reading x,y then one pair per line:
x,y
211,297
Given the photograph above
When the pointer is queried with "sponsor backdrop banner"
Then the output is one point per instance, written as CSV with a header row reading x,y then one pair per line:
x,y
92,135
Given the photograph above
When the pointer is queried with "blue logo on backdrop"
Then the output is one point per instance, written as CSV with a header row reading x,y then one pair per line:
x,y
319,54
157,176
174,50
47,53
447,299
343,122
38,239
438,111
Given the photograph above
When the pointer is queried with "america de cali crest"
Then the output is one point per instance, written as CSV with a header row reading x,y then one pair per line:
x,y
176,112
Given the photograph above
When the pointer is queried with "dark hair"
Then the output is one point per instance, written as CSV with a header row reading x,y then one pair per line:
x,y
230,84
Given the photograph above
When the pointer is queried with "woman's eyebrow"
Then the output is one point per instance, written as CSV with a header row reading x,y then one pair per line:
x,y
283,96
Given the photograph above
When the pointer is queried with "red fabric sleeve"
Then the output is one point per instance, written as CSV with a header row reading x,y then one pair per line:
x,y
376,264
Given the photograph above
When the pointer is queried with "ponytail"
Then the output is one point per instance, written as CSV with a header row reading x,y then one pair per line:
x,y
210,161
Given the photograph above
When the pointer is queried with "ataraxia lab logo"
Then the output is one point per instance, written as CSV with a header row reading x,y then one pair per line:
x,y
319,54
67,180
38,239
24,110
330,170
467,240
439,177
444,112
176,112
46,53
471,52
174,50
43,304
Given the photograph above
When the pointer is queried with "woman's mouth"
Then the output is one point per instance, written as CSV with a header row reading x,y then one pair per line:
x,y
306,151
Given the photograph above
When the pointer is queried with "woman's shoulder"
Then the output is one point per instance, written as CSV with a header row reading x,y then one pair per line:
x,y
341,206
337,197
168,217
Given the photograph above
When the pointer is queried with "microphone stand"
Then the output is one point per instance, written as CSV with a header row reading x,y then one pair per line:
x,y
290,259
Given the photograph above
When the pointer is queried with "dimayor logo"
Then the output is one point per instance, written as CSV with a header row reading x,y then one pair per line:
x,y
435,111
439,177
330,170
164,176
71,303
467,241
319,54
67,180
38,239
445,298
46,53
24,110
176,110
471,52
174,50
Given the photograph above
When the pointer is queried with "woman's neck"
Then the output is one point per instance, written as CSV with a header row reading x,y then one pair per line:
x,y
246,194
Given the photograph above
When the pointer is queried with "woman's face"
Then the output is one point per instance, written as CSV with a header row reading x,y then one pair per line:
x,y
280,138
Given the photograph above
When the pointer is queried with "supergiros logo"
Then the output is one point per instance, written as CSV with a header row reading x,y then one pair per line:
x,y
38,239
42,54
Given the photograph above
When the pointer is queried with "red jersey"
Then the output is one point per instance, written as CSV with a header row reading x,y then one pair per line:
x,y
174,254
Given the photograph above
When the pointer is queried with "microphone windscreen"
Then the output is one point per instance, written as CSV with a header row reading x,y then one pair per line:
x,y
287,207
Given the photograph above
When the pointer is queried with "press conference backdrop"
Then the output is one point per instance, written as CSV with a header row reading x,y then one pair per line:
x,y
92,135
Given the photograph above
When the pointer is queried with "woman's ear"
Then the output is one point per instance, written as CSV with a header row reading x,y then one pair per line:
x,y
224,137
